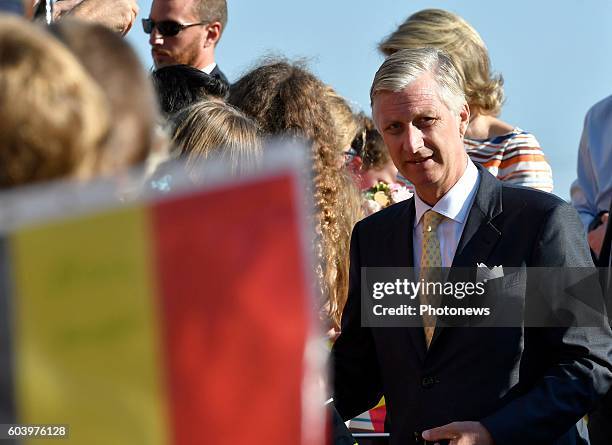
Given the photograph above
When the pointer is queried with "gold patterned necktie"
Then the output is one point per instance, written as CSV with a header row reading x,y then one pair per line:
x,y
430,258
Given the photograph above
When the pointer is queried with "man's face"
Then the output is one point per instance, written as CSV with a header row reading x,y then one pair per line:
x,y
188,46
424,137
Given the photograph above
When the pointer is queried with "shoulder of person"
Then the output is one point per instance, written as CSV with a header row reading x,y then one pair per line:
x,y
601,111
532,201
387,217
499,128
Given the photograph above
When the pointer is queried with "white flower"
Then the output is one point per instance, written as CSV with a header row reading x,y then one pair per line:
x,y
371,206
400,193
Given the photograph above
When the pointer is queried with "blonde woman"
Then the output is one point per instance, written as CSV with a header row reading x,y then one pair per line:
x,y
508,152
212,128
345,121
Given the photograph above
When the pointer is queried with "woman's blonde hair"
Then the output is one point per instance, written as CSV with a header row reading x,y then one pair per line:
x,y
345,120
286,99
447,31
216,128
54,118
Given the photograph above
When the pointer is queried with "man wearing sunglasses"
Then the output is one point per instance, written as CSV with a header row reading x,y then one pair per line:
x,y
186,32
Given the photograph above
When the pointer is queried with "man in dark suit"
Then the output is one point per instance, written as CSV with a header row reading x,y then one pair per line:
x,y
460,385
186,32
600,427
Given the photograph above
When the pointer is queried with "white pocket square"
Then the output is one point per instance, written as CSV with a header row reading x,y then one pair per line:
x,y
483,273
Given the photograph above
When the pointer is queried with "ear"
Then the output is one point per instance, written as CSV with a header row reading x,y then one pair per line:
x,y
464,119
213,34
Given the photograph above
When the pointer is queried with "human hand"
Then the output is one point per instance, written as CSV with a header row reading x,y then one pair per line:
x,y
63,7
332,335
596,236
460,433
118,15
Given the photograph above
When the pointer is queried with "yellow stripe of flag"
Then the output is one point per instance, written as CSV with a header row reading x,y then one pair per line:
x,y
86,343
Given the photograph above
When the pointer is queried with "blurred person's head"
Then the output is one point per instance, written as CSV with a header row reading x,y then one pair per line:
x,y
285,99
447,31
179,86
185,31
217,129
54,118
115,66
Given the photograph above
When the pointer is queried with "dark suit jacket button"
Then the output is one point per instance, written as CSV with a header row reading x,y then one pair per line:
x,y
428,382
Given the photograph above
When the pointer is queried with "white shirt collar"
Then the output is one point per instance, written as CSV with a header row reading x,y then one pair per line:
x,y
456,203
208,68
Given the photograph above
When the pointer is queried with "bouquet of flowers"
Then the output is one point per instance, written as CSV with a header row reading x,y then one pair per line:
x,y
382,195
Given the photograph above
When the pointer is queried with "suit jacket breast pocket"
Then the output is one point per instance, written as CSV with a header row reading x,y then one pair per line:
x,y
502,303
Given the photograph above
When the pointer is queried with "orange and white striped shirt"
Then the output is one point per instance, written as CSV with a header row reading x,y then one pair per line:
x,y
515,157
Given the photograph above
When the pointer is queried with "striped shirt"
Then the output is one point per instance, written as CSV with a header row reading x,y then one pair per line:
x,y
515,157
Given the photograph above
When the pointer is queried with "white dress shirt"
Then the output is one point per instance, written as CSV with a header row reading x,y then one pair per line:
x,y
455,206
208,68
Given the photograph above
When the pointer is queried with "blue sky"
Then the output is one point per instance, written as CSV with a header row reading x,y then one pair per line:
x,y
555,56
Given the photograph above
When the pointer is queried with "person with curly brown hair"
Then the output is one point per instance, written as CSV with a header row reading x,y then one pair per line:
x,y
285,99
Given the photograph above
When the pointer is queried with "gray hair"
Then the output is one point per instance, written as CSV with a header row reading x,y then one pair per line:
x,y
405,66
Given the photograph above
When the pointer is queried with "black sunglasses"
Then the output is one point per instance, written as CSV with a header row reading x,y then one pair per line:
x,y
166,28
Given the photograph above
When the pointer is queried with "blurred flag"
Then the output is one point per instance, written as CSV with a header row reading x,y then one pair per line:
x,y
179,320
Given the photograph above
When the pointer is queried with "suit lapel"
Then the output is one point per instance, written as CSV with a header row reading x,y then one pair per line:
x,y
399,238
480,235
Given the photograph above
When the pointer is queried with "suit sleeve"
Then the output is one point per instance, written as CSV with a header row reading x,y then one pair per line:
x,y
357,383
580,370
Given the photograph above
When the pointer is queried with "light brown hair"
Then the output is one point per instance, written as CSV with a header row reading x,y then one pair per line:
x,y
54,118
286,99
345,121
116,68
370,146
212,11
447,31
215,128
